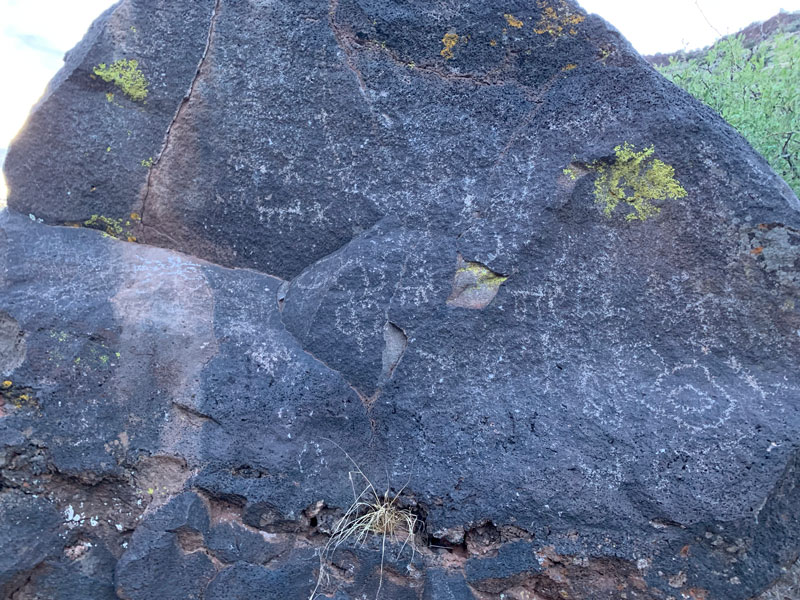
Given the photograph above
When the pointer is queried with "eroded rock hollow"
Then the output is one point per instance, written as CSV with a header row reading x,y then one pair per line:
x,y
541,296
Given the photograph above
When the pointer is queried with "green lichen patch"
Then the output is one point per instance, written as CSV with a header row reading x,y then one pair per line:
x,y
573,172
68,352
125,74
120,229
474,285
633,181
60,336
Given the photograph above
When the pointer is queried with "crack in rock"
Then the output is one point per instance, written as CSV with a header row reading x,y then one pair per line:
x,y
184,101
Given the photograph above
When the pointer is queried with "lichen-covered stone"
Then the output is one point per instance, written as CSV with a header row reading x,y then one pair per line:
x,y
540,296
81,149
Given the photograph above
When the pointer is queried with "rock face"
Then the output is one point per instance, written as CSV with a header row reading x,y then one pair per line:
x,y
539,294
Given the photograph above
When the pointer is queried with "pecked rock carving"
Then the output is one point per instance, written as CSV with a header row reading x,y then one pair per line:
x,y
540,296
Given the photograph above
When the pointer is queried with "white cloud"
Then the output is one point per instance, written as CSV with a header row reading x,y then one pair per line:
x,y
665,26
34,36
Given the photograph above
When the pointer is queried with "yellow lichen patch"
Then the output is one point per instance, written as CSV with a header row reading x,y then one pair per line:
x,y
513,21
115,228
493,43
19,398
569,67
571,174
125,74
111,227
6,384
557,20
603,53
449,40
635,180
474,285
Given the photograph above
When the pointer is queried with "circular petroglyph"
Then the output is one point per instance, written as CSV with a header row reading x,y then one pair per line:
x,y
691,396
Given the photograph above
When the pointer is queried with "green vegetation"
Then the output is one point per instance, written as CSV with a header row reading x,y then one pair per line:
x,y
125,74
757,90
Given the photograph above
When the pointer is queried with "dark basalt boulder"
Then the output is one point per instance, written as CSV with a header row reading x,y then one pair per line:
x,y
544,297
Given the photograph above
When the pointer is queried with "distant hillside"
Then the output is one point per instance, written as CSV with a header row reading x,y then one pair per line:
x,y
752,79
788,22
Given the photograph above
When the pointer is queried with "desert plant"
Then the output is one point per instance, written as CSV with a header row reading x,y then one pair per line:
x,y
370,514
757,90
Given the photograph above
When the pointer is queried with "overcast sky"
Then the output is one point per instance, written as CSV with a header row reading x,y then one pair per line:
x,y
35,34
666,25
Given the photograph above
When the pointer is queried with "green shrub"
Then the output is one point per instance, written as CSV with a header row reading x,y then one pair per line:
x,y
756,90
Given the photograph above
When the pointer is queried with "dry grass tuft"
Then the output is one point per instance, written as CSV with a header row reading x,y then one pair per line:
x,y
369,514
